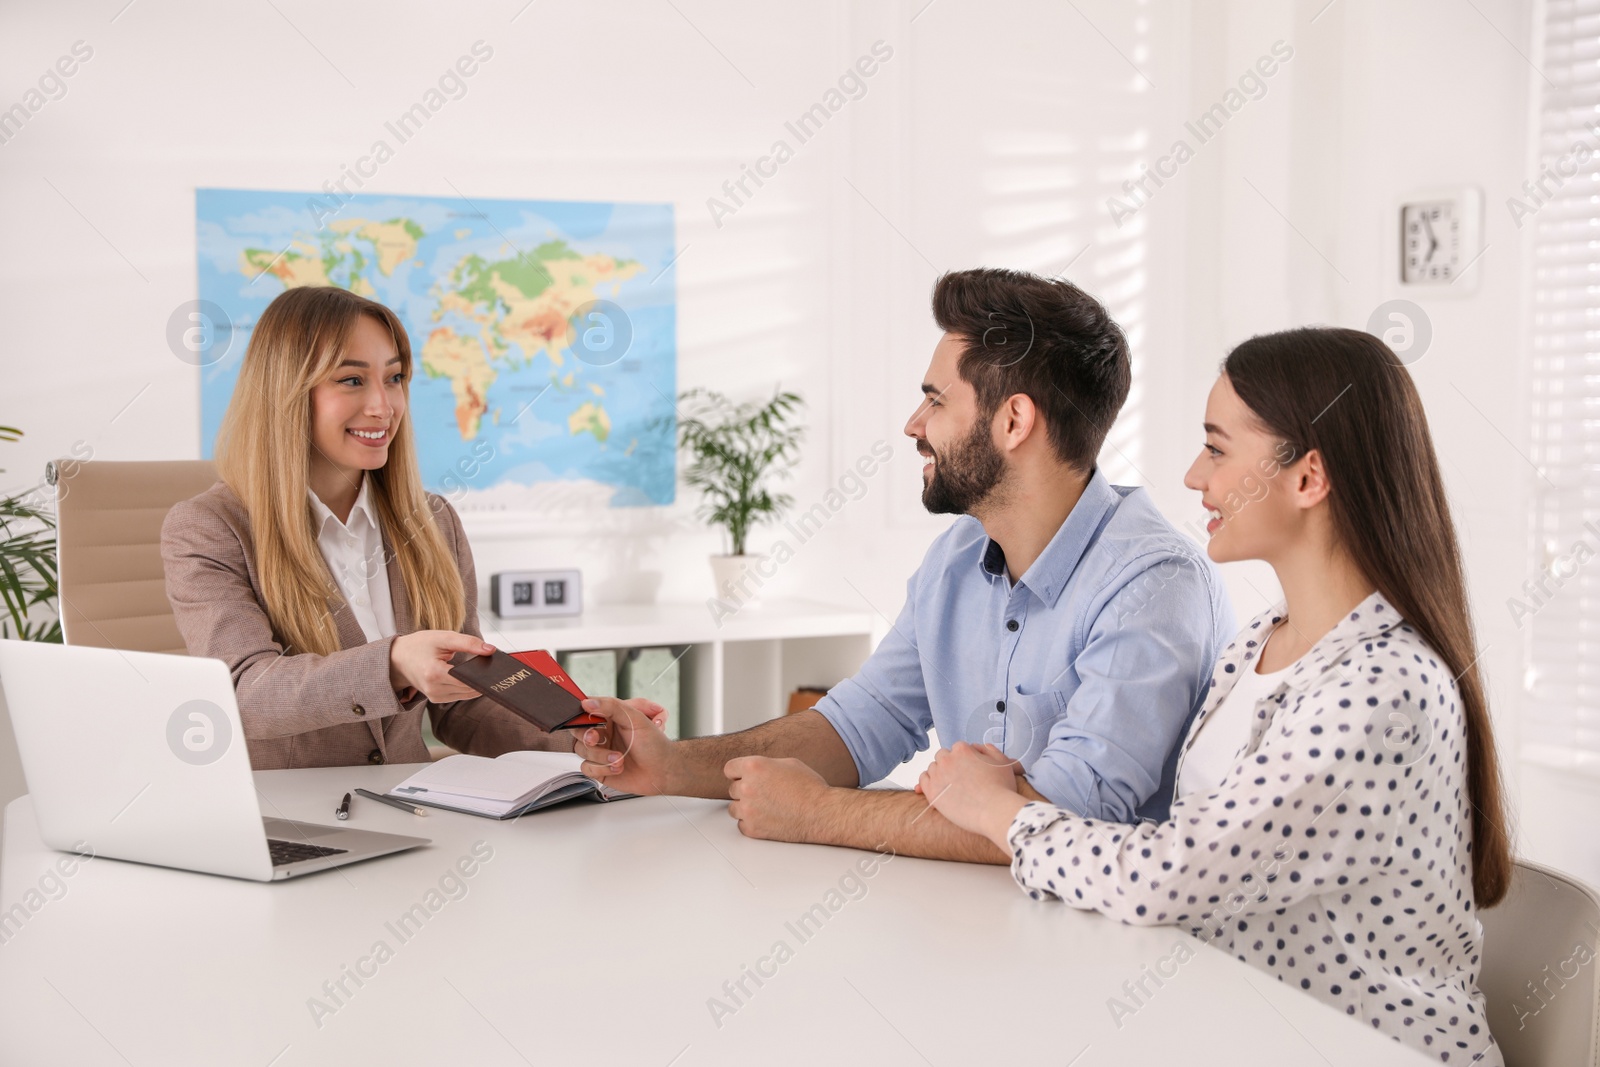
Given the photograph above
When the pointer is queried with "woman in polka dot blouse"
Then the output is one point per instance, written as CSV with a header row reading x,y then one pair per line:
x,y
1338,818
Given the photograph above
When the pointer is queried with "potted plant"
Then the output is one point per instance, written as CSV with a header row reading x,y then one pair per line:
x,y
735,450
27,563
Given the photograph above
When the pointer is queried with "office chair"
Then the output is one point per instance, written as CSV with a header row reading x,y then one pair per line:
x,y
1541,955
108,549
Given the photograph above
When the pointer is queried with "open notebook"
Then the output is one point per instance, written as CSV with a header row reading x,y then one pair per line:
x,y
504,787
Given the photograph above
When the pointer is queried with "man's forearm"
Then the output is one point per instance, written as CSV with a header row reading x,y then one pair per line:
x,y
806,736
900,820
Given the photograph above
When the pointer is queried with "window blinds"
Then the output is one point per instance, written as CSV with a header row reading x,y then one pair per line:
x,y
1559,608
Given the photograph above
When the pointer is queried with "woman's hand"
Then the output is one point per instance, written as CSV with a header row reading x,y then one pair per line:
x,y
975,787
422,660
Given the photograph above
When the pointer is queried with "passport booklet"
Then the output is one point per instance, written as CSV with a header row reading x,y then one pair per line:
x,y
531,684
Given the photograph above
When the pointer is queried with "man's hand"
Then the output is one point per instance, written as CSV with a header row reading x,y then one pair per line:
x,y
975,787
773,798
630,753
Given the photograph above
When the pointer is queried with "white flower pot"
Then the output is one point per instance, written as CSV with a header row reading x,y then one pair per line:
x,y
732,586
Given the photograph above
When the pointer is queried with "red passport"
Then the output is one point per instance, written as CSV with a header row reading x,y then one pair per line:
x,y
531,684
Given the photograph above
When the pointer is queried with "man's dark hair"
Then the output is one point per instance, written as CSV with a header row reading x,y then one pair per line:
x,y
1046,339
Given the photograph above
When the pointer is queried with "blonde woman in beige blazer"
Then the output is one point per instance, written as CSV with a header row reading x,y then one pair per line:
x,y
316,427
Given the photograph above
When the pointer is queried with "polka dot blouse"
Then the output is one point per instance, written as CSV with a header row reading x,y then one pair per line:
x,y
1335,855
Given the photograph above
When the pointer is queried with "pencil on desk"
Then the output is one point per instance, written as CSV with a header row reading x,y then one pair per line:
x,y
392,802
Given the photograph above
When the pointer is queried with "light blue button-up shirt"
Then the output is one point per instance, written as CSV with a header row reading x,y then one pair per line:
x,y
1087,669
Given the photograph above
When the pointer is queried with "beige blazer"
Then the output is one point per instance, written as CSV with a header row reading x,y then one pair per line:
x,y
304,710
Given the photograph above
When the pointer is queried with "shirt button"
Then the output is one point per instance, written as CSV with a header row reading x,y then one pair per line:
x,y
361,600
358,709
350,542
1011,624
999,705
374,756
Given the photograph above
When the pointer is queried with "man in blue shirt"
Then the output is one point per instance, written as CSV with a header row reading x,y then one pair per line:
x,y
1061,618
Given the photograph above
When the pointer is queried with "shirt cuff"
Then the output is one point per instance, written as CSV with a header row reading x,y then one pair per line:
x,y
1031,818
839,719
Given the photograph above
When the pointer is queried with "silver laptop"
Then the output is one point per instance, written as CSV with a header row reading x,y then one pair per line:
x,y
140,756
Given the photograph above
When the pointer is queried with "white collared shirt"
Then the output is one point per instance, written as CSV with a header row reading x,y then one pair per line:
x,y
354,552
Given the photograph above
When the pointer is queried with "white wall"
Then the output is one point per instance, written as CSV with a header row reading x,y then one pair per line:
x,y
634,104
1385,99
993,136
973,144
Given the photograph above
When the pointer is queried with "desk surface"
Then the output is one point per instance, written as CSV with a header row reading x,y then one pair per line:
x,y
600,933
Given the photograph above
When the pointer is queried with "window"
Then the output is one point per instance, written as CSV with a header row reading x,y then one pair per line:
x,y
1559,607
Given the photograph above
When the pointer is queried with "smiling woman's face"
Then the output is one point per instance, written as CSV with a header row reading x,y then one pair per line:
x,y
366,394
1243,482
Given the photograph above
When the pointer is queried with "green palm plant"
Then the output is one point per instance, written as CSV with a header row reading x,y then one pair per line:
x,y
735,450
27,563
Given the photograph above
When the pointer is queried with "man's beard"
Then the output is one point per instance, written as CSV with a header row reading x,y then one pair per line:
x,y
965,476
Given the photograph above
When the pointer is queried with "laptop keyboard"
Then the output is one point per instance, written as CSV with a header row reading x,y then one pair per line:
x,y
286,852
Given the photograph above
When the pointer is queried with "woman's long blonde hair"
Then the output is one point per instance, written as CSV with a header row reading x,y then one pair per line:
x,y
264,455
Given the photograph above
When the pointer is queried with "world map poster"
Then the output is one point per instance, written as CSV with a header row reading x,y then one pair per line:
x,y
543,332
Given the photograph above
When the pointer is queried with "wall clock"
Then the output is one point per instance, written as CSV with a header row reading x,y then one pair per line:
x,y
1441,239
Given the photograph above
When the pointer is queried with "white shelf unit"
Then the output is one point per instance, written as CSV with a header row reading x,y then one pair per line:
x,y
735,673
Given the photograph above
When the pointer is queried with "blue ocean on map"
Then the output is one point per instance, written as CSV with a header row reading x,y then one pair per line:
x,y
543,333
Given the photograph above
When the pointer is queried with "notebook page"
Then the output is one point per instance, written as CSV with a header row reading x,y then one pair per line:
x,y
547,764
482,778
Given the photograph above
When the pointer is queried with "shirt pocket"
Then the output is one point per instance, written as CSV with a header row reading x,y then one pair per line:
x,y
1027,722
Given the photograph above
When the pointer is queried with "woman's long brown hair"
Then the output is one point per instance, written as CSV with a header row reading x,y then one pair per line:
x,y
264,454
1344,394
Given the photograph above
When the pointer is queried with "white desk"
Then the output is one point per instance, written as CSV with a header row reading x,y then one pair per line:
x,y
596,934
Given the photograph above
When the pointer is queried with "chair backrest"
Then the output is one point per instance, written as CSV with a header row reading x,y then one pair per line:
x,y
108,549
1538,977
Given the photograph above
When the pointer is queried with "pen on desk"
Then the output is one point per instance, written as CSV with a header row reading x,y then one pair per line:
x,y
392,802
343,810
